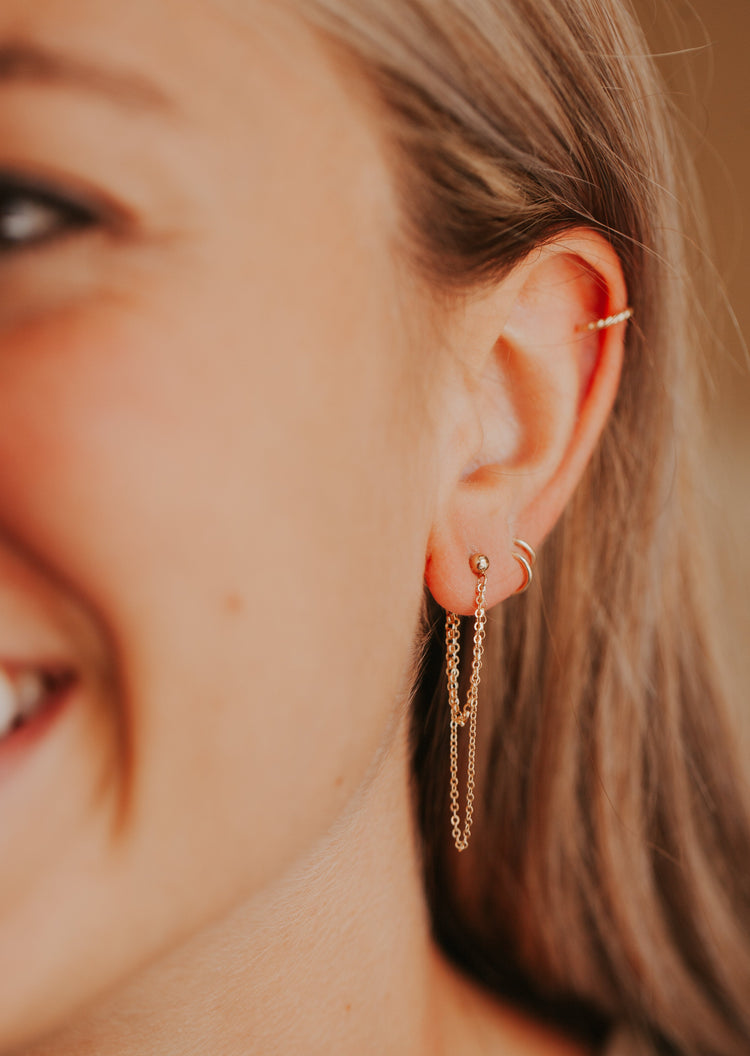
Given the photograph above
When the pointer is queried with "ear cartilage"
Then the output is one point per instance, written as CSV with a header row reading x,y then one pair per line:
x,y
610,320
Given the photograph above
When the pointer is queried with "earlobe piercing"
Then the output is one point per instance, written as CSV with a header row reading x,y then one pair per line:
x,y
609,320
479,564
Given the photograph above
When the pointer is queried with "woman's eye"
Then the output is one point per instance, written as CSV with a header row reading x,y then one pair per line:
x,y
30,217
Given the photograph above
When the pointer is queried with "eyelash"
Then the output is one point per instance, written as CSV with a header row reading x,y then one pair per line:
x,y
32,215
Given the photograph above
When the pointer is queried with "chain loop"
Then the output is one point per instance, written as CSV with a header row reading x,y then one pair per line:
x,y
459,715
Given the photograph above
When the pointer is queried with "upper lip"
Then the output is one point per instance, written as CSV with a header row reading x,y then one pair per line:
x,y
13,666
42,625
29,636
31,642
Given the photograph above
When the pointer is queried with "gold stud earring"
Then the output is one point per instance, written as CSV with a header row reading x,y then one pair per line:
x,y
479,565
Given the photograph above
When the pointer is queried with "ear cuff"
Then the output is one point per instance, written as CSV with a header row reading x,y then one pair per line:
x,y
609,320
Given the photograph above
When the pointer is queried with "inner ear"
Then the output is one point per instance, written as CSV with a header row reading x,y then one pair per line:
x,y
501,428
546,353
561,294
531,387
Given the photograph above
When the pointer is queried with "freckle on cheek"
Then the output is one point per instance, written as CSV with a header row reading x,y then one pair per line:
x,y
234,603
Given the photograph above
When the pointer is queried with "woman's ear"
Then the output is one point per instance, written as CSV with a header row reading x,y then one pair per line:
x,y
525,410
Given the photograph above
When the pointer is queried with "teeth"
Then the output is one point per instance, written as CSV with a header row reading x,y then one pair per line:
x,y
23,693
8,704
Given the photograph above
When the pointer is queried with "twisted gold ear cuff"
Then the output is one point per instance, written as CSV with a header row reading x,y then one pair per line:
x,y
609,320
479,565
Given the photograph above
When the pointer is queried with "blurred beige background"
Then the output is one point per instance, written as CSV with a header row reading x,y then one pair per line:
x,y
711,84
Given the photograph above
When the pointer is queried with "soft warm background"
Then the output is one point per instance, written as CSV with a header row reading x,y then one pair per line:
x,y
711,84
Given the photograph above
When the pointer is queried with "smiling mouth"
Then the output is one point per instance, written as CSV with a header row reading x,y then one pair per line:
x,y
29,690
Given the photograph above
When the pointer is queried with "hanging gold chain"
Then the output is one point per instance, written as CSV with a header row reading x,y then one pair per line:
x,y
459,715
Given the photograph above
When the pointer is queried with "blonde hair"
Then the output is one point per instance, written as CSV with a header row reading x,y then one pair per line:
x,y
609,878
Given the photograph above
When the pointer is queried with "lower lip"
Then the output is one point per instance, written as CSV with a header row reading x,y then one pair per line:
x,y
16,746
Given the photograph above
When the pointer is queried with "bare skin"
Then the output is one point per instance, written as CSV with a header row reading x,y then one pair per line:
x,y
229,461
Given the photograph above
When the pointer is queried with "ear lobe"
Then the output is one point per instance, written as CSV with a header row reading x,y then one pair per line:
x,y
543,386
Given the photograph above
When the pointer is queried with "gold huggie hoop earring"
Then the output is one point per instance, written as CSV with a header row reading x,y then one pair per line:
x,y
609,320
526,561
459,716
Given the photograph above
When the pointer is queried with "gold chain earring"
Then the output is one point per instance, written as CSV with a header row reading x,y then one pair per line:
x,y
459,716
479,565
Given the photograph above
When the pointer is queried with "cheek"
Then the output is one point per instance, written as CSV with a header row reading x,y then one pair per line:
x,y
247,523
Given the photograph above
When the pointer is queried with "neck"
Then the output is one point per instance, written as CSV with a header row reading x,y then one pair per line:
x,y
335,959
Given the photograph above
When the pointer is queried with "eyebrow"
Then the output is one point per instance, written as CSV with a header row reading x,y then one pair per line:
x,y
22,62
